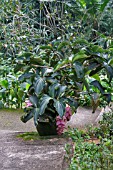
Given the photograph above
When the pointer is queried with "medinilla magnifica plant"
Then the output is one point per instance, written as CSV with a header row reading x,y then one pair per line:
x,y
58,74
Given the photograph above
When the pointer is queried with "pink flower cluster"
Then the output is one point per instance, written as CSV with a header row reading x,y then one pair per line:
x,y
68,113
60,122
28,103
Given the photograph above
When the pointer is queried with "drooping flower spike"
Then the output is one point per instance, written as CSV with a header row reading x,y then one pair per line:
x,y
61,122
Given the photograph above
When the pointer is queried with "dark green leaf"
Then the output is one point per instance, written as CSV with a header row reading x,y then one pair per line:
x,y
98,85
27,116
61,90
55,74
25,76
18,67
44,102
92,65
93,72
1,54
36,115
25,54
60,107
34,100
79,69
73,103
1,105
46,47
109,70
36,61
31,90
53,88
80,41
39,85
108,97
86,85
111,61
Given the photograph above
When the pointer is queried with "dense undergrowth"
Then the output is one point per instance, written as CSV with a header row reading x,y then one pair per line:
x,y
93,149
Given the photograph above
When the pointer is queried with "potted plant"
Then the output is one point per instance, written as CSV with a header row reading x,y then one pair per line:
x,y
57,75
47,100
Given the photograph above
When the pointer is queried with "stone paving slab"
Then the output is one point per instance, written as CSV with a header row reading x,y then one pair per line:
x,y
84,117
16,154
10,120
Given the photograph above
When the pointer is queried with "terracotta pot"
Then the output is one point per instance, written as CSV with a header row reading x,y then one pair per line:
x,y
46,128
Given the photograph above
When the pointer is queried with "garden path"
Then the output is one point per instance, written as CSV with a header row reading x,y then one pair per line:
x,y
10,119
17,154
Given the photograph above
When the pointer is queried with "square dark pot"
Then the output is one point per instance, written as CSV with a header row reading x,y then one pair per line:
x,y
46,128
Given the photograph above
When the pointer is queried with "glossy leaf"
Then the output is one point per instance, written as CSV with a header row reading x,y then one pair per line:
x,y
80,41
92,65
2,90
44,102
39,85
60,107
51,80
79,69
61,90
34,100
53,88
111,62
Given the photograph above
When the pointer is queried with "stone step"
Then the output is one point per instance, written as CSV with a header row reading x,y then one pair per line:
x,y
17,154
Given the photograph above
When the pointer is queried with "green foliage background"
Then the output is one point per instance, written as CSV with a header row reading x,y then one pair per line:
x,y
28,25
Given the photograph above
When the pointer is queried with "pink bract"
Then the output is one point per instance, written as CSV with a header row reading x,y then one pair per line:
x,y
60,122
68,113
